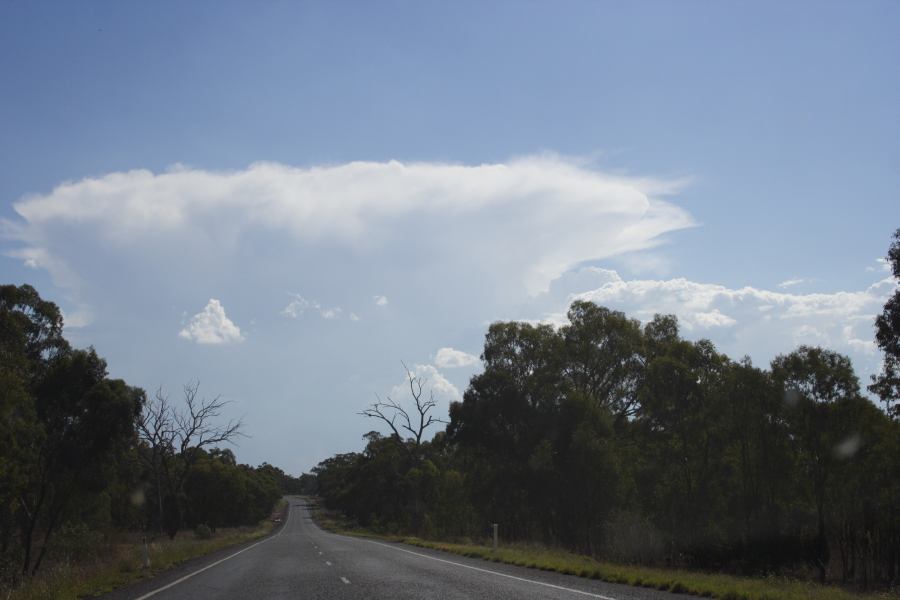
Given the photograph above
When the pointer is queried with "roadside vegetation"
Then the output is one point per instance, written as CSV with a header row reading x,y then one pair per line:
x,y
712,585
119,561
534,556
623,443
89,464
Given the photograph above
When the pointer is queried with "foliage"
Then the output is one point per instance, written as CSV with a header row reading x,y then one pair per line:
x,y
724,587
887,335
630,443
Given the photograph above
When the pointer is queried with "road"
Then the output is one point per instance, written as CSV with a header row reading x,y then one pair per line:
x,y
305,562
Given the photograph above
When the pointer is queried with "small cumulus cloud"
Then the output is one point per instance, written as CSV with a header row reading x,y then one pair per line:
x,y
380,300
450,358
791,282
354,317
211,326
299,305
883,265
433,382
330,313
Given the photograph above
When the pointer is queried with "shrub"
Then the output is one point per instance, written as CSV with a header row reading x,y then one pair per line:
x,y
203,532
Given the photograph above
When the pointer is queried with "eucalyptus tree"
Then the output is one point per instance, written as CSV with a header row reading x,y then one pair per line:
x,y
815,382
887,335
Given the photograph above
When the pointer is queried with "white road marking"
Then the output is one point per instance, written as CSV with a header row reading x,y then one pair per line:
x,y
534,581
345,580
328,562
320,554
198,571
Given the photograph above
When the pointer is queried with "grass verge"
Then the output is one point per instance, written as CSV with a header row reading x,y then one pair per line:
x,y
709,585
121,563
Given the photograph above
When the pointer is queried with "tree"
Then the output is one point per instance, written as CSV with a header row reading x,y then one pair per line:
x,y
64,422
814,381
632,443
30,330
86,419
168,435
399,419
887,335
603,352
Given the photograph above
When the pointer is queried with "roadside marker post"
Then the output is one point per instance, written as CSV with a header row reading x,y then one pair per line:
x,y
495,535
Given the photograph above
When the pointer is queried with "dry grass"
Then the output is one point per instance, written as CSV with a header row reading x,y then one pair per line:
x,y
121,562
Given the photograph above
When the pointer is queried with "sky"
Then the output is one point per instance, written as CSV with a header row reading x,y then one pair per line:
x,y
288,201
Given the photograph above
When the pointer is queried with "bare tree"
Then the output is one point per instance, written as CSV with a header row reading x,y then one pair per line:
x,y
169,432
398,418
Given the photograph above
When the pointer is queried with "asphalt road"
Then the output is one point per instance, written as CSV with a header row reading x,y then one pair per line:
x,y
303,561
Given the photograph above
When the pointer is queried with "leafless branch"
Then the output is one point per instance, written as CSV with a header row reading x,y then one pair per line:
x,y
398,418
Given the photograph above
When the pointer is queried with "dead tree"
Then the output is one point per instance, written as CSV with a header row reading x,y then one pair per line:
x,y
415,421
168,434
398,418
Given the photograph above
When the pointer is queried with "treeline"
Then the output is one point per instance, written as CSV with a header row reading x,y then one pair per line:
x,y
630,443
83,455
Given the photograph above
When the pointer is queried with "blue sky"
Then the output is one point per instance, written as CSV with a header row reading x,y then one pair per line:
x,y
736,163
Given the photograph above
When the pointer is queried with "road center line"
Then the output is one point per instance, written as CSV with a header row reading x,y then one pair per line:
x,y
328,562
198,571
345,580
498,573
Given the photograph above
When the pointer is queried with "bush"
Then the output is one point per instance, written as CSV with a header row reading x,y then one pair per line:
x,y
202,532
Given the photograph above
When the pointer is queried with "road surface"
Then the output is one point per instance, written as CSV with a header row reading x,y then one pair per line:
x,y
305,562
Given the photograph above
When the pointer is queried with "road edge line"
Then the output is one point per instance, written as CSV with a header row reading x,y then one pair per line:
x,y
524,579
220,561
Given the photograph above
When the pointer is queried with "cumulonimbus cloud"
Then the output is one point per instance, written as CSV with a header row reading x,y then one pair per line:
x,y
554,212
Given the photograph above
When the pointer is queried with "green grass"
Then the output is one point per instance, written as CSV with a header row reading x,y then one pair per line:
x,y
710,585
121,563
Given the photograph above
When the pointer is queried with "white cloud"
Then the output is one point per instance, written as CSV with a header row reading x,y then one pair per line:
x,y
433,383
380,300
567,213
354,317
299,305
739,320
791,282
211,326
883,265
450,358
330,313
713,318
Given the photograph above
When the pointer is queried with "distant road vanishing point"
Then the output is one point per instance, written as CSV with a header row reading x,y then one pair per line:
x,y
303,561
